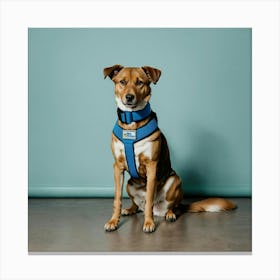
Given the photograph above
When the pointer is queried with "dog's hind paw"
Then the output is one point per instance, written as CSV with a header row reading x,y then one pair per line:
x,y
128,211
170,216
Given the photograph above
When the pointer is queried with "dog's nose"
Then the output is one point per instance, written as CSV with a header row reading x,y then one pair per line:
x,y
129,97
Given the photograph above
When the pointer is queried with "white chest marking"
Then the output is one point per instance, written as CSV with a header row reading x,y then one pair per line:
x,y
142,147
118,149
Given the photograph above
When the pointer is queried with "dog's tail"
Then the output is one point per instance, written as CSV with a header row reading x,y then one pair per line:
x,y
211,205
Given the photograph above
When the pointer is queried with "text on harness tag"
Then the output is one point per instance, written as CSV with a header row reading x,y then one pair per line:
x,y
129,134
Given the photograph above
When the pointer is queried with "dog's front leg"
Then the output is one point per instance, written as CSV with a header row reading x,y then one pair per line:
x,y
149,225
112,224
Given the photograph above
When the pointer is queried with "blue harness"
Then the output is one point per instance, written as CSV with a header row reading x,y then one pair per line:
x,y
130,137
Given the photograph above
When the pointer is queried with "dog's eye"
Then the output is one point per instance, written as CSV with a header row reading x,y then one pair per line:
x,y
139,83
123,82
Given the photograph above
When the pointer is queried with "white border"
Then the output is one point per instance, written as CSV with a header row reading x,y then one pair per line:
x,y
17,16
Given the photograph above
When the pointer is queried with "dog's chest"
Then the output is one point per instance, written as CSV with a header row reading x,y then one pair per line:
x,y
142,149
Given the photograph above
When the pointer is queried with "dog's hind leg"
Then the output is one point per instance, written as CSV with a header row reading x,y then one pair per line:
x,y
134,207
131,210
174,197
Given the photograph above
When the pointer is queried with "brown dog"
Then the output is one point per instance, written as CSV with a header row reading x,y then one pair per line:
x,y
140,148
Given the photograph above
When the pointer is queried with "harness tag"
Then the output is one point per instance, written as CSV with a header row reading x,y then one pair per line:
x,y
129,134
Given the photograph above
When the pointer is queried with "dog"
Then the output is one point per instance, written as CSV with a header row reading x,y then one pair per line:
x,y
140,148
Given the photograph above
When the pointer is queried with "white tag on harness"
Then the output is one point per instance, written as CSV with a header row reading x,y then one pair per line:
x,y
129,134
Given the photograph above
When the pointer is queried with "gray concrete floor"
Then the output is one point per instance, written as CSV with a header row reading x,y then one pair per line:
x,y
77,225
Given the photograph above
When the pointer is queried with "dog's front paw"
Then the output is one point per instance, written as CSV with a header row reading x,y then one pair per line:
x,y
149,226
111,225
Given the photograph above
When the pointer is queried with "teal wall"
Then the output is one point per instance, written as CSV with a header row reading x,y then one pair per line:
x,y
203,100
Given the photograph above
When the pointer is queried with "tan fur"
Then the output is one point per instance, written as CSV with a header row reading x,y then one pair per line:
x,y
158,190
221,203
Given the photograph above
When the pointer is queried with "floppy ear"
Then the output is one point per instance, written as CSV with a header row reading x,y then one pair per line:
x,y
152,73
112,71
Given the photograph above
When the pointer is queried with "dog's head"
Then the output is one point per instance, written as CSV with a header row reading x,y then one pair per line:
x,y
132,85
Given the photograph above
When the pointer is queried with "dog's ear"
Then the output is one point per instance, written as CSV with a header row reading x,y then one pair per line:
x,y
152,73
112,71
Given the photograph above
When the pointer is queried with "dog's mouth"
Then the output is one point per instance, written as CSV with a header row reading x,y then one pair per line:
x,y
130,105
133,105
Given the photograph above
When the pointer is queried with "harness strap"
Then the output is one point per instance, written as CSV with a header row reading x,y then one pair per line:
x,y
128,117
130,137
